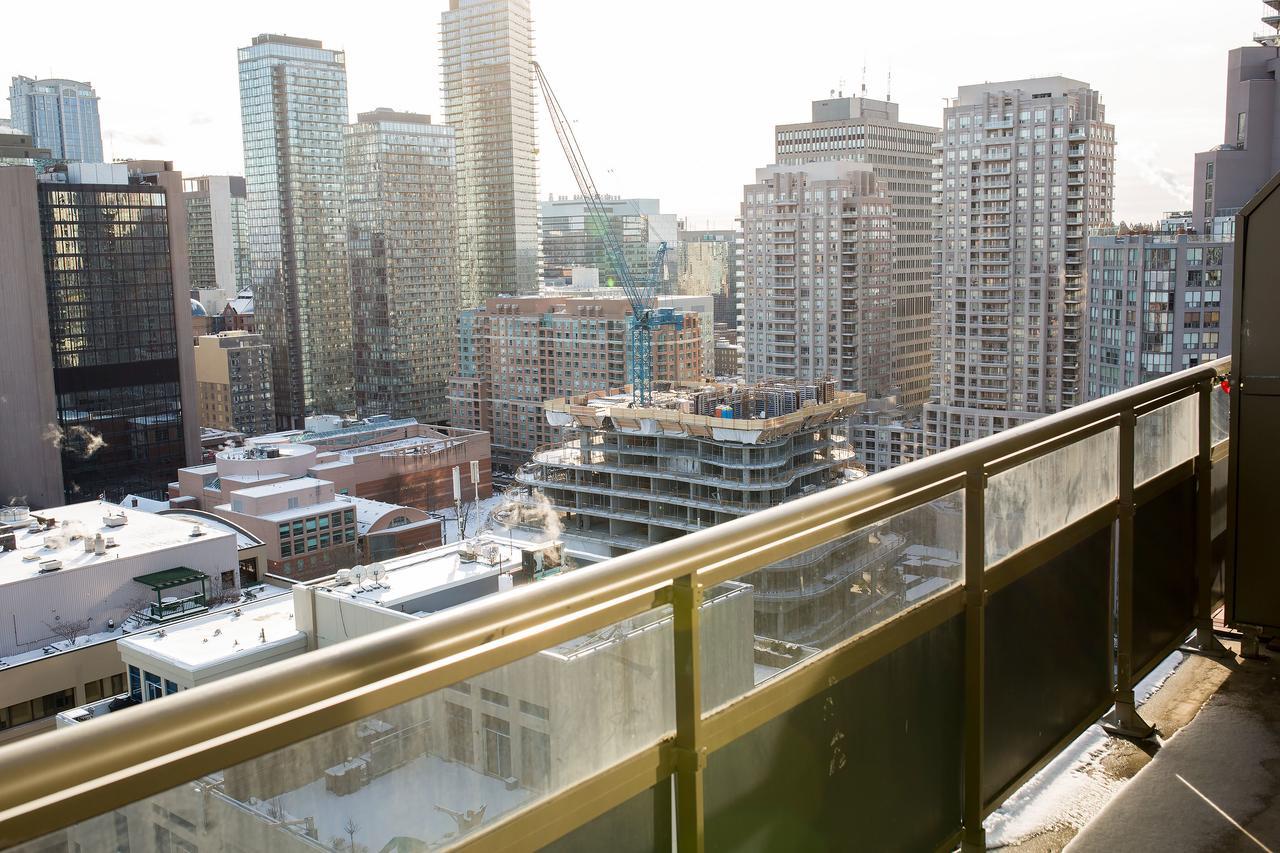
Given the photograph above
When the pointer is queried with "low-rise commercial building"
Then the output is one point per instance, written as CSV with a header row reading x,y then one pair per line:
x,y
75,579
884,435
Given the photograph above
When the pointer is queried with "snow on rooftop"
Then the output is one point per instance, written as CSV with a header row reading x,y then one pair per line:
x,y
142,533
367,511
297,484
413,575
403,802
219,636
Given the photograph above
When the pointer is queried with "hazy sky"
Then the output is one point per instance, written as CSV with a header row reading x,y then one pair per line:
x,y
672,98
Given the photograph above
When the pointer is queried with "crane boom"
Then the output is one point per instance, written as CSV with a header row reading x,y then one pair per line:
x,y
642,293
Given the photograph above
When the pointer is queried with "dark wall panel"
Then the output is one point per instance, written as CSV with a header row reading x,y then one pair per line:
x,y
873,763
1047,658
1164,572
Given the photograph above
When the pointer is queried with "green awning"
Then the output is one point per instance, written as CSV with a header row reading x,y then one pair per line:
x,y
171,578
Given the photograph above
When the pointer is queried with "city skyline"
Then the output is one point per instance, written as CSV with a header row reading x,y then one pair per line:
x,y
1159,123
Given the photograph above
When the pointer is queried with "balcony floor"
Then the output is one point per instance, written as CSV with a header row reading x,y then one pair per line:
x,y
1218,724
1215,785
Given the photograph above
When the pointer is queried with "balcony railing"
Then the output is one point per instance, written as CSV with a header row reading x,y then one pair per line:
x,y
1038,575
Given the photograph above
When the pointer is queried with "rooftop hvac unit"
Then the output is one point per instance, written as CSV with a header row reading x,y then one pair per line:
x,y
115,520
50,566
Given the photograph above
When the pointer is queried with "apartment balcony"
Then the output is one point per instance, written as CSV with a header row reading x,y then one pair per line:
x,y
996,601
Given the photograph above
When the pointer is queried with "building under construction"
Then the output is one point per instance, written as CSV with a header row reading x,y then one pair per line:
x,y
630,477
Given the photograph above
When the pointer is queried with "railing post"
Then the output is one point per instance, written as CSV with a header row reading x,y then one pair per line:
x,y
975,835
1204,642
1124,719
690,754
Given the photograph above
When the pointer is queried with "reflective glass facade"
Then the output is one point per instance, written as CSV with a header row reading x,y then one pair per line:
x,y
114,335
293,102
61,115
488,82
402,239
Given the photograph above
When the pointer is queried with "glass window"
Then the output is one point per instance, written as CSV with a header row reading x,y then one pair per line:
x,y
135,684
458,723
497,747
494,697
151,686
170,687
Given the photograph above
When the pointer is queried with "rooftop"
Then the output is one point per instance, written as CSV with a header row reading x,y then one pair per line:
x,y
284,487
140,533
412,575
208,639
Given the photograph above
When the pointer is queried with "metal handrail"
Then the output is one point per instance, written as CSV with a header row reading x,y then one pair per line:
x,y
57,778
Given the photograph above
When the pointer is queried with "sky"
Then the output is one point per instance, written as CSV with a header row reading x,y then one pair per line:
x,y
673,99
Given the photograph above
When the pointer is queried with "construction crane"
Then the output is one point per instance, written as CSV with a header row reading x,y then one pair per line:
x,y
642,292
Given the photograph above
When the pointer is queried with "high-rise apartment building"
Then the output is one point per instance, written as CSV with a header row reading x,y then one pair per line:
x,y
217,237
293,103
98,369
710,263
61,115
1158,303
402,242
817,258
571,235
489,99
1227,176
516,352
901,157
233,383
1027,169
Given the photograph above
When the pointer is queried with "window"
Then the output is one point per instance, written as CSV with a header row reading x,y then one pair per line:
x,y
170,687
535,759
1242,128
311,525
135,684
151,686
495,698
497,747
293,503
542,712
458,724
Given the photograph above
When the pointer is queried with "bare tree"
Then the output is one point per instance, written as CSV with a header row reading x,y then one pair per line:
x,y
351,828
67,629
462,514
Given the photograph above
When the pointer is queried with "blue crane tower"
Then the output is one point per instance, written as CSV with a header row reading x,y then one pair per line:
x,y
642,292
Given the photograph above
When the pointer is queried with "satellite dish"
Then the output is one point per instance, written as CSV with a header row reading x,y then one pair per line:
x,y
378,571
357,574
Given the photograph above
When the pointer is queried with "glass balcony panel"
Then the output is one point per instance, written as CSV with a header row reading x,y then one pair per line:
x,y
1164,438
1219,415
831,592
434,768
1040,497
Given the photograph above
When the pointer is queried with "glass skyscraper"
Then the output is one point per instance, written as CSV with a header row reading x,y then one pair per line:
x,y
293,102
114,331
402,240
61,115
488,82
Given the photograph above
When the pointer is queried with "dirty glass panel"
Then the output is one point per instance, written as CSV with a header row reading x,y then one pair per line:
x,y
1164,438
827,594
422,775
1040,497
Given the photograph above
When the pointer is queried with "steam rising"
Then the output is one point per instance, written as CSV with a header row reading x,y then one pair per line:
x,y
531,510
77,440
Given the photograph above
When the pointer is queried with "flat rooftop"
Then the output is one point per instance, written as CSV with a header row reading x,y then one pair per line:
x,y
223,635
297,484
414,575
142,533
